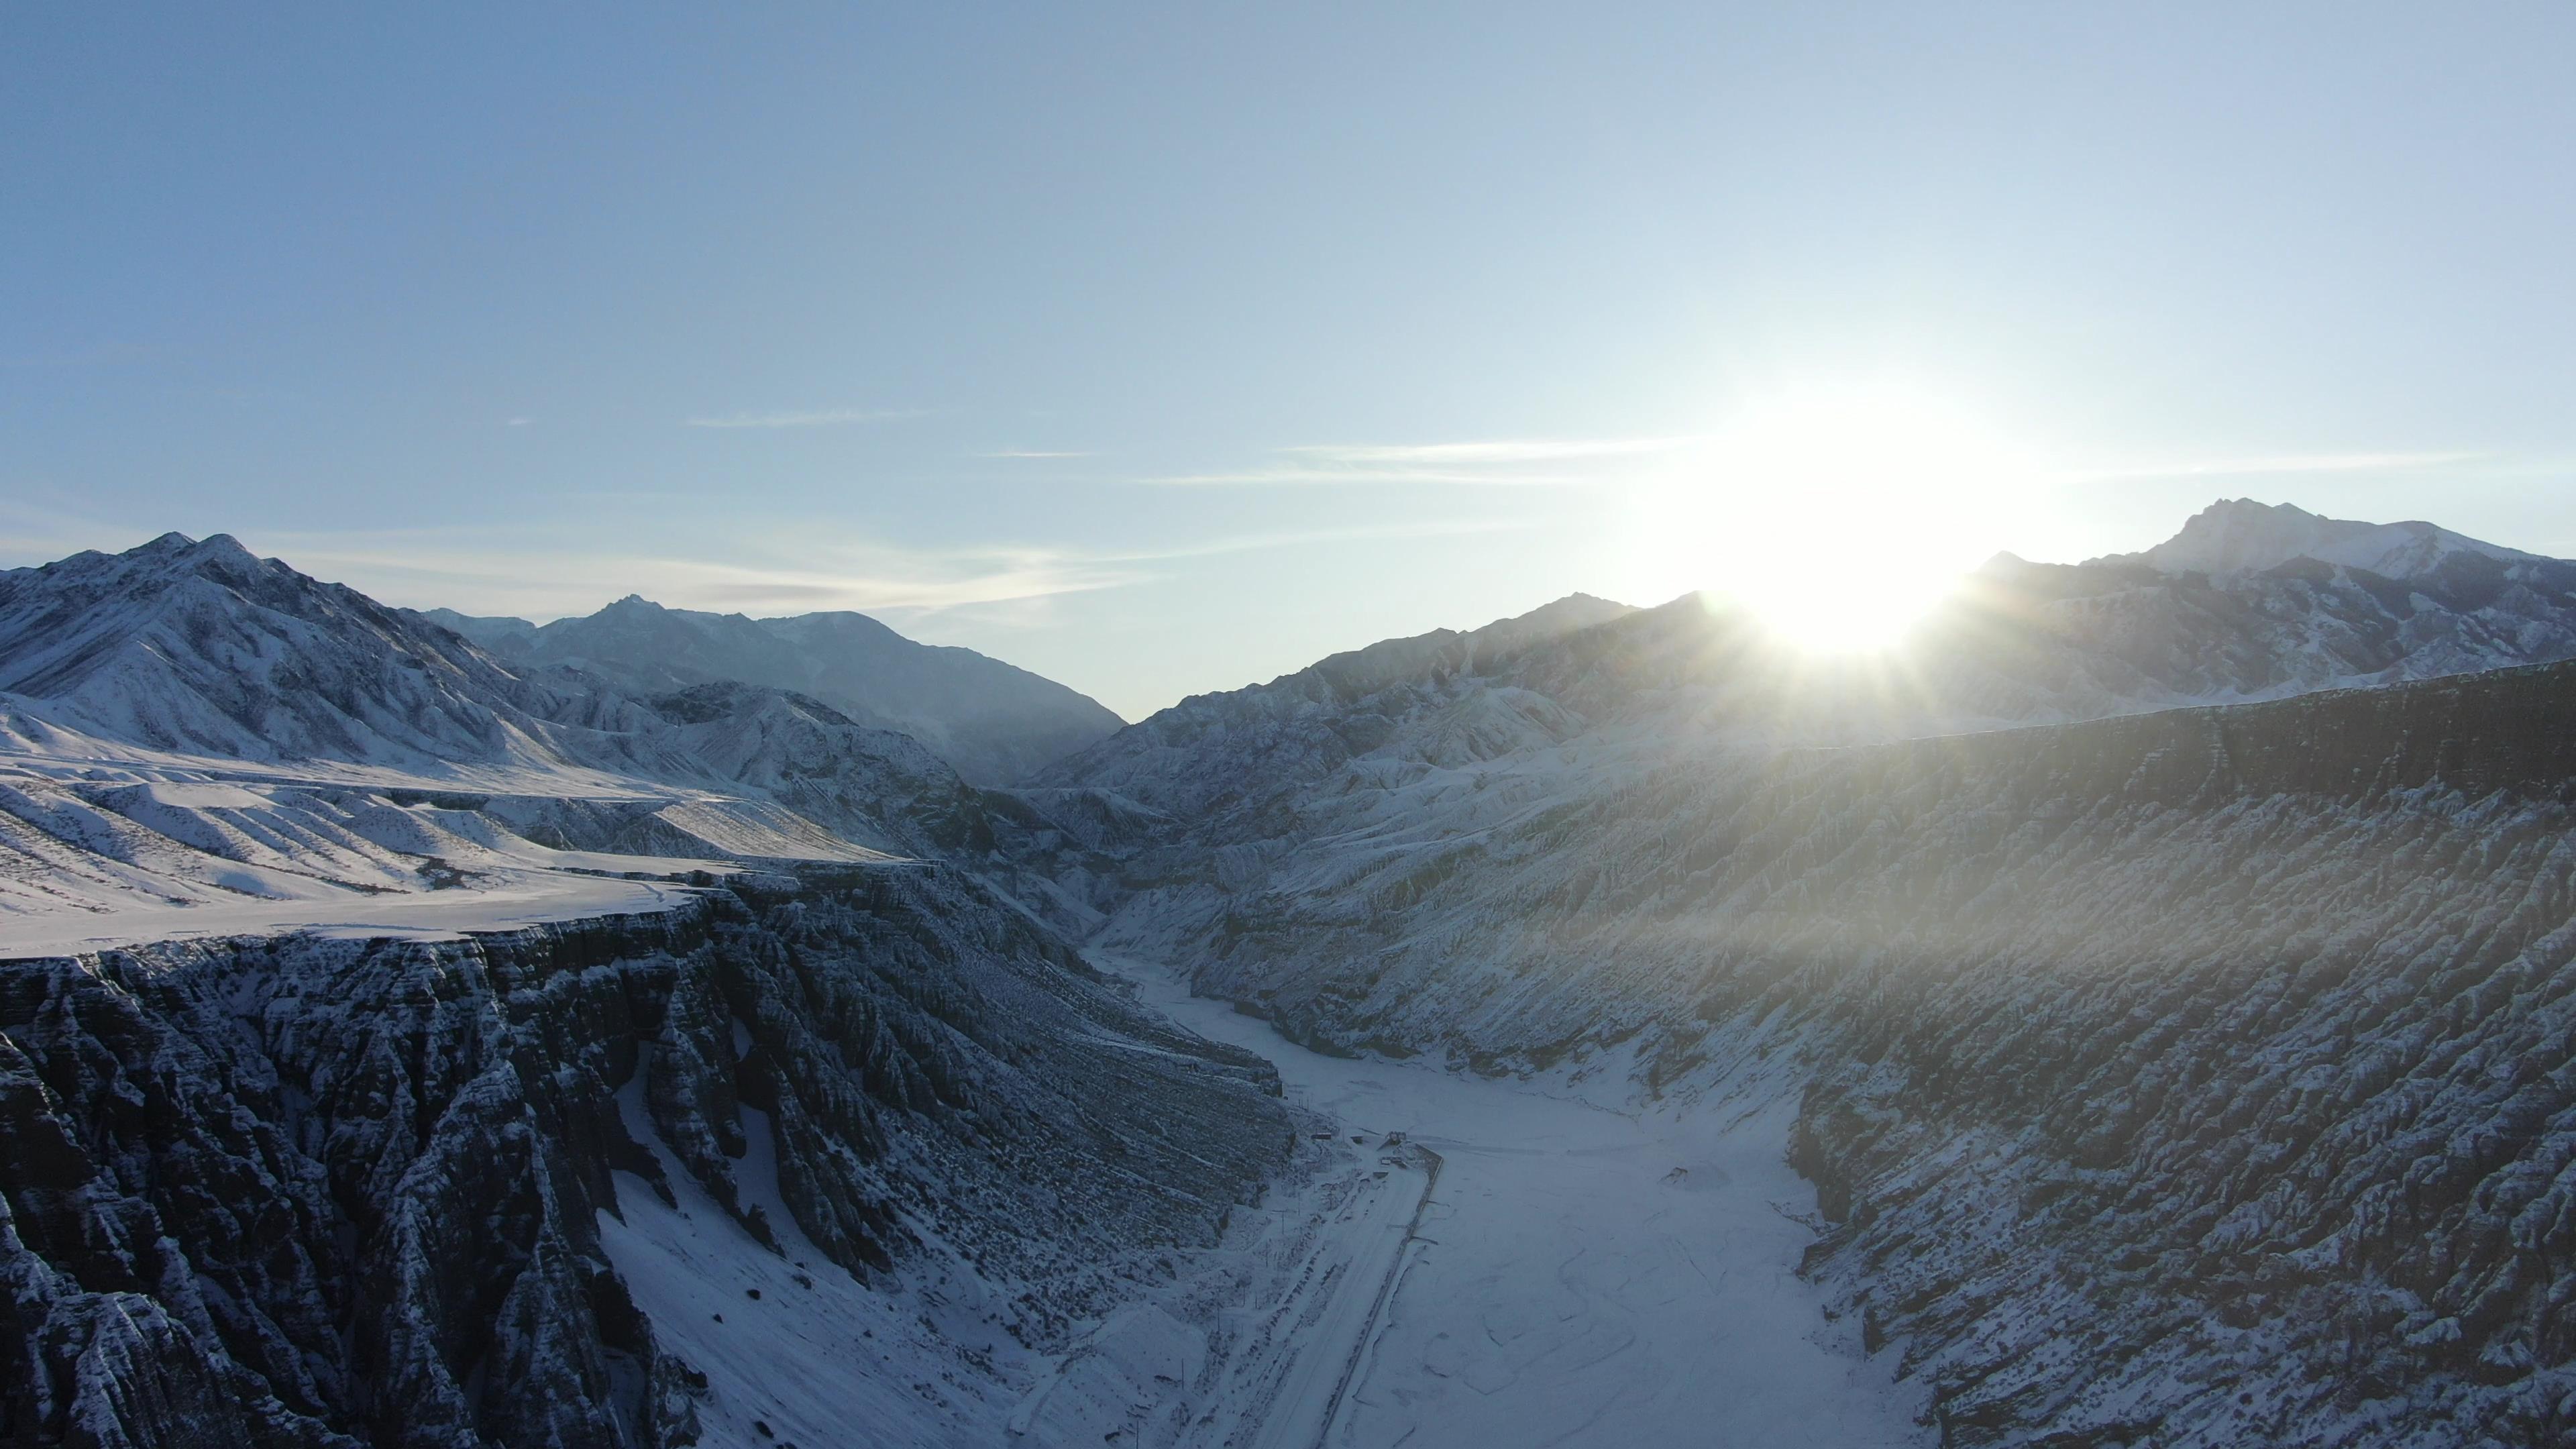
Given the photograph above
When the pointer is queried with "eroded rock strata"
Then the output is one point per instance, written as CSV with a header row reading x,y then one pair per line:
x,y
320,1192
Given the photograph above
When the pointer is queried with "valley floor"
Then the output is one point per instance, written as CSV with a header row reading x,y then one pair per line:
x,y
1580,1275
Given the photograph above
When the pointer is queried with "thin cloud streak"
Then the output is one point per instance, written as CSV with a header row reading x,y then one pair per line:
x,y
524,571
822,418
1343,477
1032,453
2281,463
1503,450
1478,463
1251,543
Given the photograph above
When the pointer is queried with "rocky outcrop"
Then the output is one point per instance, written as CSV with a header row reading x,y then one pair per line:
x,y
325,1192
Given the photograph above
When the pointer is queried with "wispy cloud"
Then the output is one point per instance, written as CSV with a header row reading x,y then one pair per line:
x,y
1497,450
1359,533
1031,453
517,422
545,571
506,571
1482,463
2277,463
1291,476
818,418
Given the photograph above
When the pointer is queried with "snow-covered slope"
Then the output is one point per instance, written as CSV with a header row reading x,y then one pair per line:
x,y
994,722
492,631
2189,1076
136,683
201,648
1443,695
2020,643
2239,535
2151,1061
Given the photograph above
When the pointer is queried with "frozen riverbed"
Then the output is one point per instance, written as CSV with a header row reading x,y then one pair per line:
x,y
1581,1276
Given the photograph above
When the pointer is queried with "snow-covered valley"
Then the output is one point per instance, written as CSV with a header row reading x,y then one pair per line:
x,y
1585,1272
2143,1021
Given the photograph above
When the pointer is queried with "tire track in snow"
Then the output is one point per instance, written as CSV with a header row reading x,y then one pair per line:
x,y
1367,1336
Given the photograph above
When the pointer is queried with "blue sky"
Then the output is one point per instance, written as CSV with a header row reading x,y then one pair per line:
x,y
1166,350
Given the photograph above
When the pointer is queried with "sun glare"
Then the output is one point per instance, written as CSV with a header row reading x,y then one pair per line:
x,y
1839,516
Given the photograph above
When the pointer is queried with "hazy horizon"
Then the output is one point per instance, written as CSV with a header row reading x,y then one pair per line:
x,y
1135,714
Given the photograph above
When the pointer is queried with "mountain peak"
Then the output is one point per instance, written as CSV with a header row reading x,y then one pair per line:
x,y
2245,535
174,545
1548,620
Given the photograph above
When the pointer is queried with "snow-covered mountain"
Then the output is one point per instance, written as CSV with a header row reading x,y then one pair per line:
x,y
200,647
503,1034
2020,643
2158,967
2145,1063
132,681
2170,1074
2239,535
493,631
995,723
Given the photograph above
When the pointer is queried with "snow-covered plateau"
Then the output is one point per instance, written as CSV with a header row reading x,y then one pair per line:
x,y
2139,1010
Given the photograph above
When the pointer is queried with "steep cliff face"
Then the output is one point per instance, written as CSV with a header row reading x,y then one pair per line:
x,y
319,1192
2198,1077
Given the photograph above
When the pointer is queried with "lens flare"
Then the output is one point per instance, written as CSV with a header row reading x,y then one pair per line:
x,y
1838,516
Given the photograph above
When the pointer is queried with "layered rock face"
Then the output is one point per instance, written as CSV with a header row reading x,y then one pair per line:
x,y
2190,1078
321,1192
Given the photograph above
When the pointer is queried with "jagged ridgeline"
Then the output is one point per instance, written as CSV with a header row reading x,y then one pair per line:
x,y
300,1190
2200,1077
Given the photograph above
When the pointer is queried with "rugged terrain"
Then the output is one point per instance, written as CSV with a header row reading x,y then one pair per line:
x,y
2157,968
351,1191
2186,1077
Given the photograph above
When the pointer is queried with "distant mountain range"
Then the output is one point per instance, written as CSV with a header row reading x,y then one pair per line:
x,y
2164,960
994,722
181,659
2020,643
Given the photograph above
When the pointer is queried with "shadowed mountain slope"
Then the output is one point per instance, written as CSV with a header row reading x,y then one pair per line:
x,y
994,722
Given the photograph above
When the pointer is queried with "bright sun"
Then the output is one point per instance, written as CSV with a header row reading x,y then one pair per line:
x,y
1839,516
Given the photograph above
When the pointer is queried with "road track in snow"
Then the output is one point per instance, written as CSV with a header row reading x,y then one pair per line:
x,y
1377,1305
